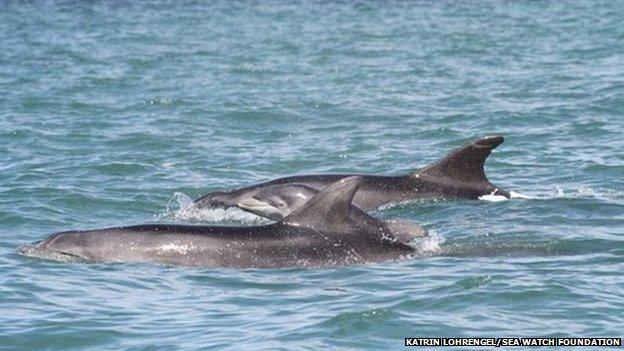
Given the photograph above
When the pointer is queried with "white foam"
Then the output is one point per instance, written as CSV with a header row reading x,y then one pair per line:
x,y
515,195
493,198
188,211
583,192
431,243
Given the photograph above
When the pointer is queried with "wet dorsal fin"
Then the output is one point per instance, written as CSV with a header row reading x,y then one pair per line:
x,y
464,164
330,208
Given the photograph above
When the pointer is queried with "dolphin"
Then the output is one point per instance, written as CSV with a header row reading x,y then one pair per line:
x,y
324,231
280,200
460,174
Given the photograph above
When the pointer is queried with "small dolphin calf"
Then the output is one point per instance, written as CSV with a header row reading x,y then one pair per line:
x,y
325,231
461,174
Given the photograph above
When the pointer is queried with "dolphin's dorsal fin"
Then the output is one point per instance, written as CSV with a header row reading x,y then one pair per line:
x,y
330,208
464,164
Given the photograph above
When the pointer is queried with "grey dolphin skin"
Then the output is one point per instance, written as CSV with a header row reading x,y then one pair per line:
x,y
281,200
460,174
325,231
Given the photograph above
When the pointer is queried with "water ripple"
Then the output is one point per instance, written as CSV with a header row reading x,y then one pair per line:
x,y
117,113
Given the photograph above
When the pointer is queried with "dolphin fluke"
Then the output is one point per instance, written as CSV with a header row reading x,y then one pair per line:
x,y
465,164
329,208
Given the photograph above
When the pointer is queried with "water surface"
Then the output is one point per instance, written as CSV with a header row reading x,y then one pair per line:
x,y
115,113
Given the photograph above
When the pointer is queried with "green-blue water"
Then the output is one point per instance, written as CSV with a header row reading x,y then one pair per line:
x,y
116,113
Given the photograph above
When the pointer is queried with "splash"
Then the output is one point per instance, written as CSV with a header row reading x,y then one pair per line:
x,y
515,195
580,192
584,192
559,192
431,244
185,210
493,198
506,246
436,245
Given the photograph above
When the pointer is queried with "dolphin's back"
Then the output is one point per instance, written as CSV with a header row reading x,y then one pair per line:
x,y
218,246
269,246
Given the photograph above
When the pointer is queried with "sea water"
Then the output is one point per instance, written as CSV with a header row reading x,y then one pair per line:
x,y
118,113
